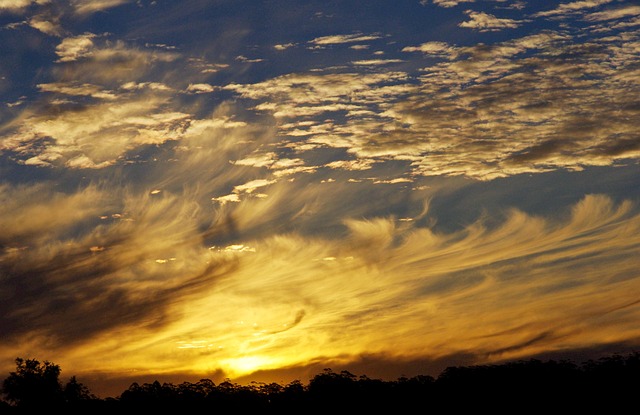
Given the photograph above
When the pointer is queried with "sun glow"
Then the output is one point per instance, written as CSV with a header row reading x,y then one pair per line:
x,y
247,364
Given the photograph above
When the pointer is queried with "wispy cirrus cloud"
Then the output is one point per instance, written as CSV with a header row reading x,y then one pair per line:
x,y
71,137
373,62
340,39
614,13
570,8
84,7
19,5
77,90
98,110
423,281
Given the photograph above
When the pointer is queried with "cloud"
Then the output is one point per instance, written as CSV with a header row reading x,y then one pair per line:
x,y
284,46
168,261
251,186
200,88
15,6
47,24
432,48
96,59
485,22
77,90
181,211
258,160
84,7
340,39
36,212
223,200
326,90
446,3
242,58
102,103
384,116
74,48
53,262
94,136
158,86
566,9
441,278
617,13
367,62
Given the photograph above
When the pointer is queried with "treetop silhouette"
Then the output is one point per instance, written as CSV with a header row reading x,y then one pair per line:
x,y
608,382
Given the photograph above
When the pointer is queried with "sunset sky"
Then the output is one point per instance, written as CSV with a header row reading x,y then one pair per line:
x,y
257,190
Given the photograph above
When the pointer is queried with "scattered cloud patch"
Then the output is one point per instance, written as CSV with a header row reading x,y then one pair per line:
x,y
284,46
200,88
47,24
77,90
373,62
445,3
251,186
614,13
341,39
485,22
76,47
15,6
242,58
156,86
567,9
440,49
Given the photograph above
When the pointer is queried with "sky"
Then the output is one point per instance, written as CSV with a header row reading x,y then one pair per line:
x,y
258,190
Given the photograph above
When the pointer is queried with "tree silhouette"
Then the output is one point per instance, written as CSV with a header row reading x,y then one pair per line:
x,y
608,385
34,385
75,391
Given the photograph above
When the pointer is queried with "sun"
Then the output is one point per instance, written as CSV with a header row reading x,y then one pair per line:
x,y
240,366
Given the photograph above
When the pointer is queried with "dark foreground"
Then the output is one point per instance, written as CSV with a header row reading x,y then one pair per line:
x,y
609,385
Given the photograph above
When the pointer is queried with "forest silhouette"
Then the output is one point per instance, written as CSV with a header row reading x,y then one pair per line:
x,y
609,384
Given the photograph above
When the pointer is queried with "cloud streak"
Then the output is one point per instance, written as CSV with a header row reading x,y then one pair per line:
x,y
485,22
523,278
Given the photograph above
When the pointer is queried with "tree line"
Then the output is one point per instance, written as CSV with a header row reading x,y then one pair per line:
x,y
515,387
